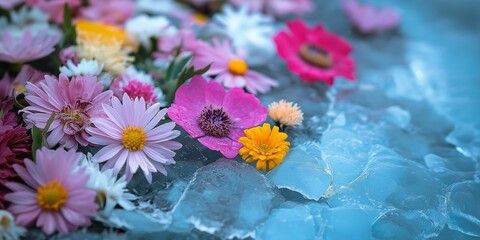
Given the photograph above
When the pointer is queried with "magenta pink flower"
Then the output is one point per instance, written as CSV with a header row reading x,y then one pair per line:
x,y
54,196
28,48
75,102
230,68
54,7
14,146
368,19
215,117
314,54
109,11
131,137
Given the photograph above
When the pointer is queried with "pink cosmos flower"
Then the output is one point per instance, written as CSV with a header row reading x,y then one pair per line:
x,y
75,102
279,8
230,68
109,11
132,137
368,19
54,196
28,48
14,146
314,54
9,4
54,7
215,117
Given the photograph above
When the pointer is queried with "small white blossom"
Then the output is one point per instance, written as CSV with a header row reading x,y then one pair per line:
x,y
111,190
85,67
142,28
256,32
8,229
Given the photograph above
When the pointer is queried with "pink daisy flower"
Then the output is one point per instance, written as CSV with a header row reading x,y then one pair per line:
x,y
215,117
230,68
54,196
132,137
54,7
368,19
75,102
314,54
28,48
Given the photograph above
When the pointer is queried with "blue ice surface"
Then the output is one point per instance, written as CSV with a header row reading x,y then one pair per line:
x,y
394,155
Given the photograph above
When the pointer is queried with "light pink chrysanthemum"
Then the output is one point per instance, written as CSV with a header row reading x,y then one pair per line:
x,y
230,68
109,11
215,117
75,102
132,137
368,19
54,8
54,196
28,48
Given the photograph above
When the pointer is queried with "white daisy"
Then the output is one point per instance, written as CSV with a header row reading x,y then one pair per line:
x,y
8,229
256,32
85,67
110,190
142,28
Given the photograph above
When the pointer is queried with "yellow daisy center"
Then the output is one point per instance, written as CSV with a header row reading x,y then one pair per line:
x,y
200,18
237,66
5,221
265,145
134,138
51,196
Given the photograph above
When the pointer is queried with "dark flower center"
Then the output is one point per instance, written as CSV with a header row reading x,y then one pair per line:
x,y
316,56
75,118
214,121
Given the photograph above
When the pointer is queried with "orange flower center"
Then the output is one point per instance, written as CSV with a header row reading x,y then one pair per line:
x,y
51,196
316,56
134,138
238,66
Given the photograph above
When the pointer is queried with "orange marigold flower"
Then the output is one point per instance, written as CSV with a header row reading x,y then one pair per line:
x,y
265,145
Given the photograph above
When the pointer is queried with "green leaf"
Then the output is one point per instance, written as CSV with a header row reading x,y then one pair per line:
x,y
37,141
70,34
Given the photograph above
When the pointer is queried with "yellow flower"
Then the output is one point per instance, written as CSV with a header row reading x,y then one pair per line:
x,y
265,145
107,44
285,113
99,33
114,58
